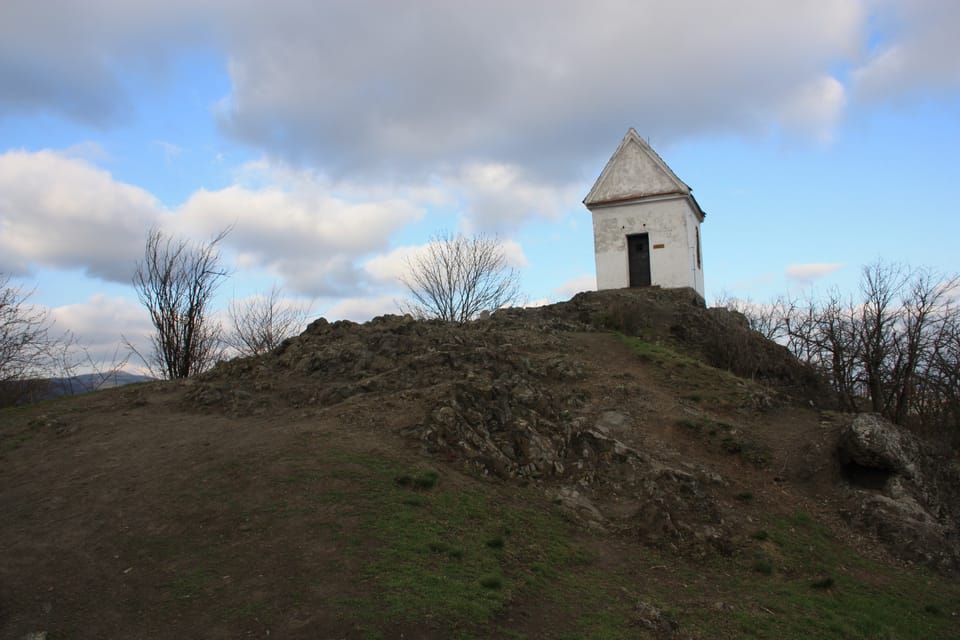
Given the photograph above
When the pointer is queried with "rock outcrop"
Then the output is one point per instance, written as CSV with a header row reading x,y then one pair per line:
x,y
900,492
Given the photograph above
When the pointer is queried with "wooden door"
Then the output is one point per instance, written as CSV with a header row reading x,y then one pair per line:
x,y
638,255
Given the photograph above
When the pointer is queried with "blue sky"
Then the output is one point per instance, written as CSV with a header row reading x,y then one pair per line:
x,y
338,136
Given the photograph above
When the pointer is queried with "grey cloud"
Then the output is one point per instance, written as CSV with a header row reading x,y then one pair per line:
x,y
390,89
100,324
919,53
374,89
68,57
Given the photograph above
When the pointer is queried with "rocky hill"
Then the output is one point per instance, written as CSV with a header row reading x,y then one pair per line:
x,y
403,478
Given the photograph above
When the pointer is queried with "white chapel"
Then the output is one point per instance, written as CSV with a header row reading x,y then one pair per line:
x,y
646,222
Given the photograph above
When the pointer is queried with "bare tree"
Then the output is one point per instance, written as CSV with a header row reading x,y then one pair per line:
x,y
32,355
24,333
25,343
258,325
881,284
176,282
766,319
457,277
895,349
939,388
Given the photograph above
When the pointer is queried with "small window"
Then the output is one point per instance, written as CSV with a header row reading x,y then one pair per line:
x,y
699,259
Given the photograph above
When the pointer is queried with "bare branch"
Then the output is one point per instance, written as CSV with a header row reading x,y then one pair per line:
x,y
258,325
176,282
457,277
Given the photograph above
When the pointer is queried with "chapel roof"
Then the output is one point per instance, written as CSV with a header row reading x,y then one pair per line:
x,y
636,172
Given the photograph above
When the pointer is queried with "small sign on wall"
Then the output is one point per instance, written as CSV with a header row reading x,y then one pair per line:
x,y
658,246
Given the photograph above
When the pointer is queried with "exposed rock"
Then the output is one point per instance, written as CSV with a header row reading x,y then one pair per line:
x,y
512,428
505,397
649,617
872,442
897,492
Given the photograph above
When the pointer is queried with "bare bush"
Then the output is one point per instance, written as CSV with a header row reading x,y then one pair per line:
x,y
895,350
457,277
26,344
24,334
32,355
176,282
258,325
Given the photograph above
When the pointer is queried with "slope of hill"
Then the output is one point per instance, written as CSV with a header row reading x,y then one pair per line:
x,y
534,475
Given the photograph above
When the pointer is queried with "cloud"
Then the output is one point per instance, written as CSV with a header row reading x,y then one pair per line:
x,y
815,108
371,89
100,324
586,282
63,212
298,231
66,213
66,58
811,271
391,266
363,309
498,197
410,91
375,88
920,52
170,150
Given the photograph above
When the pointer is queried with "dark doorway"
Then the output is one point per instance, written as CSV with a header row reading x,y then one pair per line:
x,y
638,255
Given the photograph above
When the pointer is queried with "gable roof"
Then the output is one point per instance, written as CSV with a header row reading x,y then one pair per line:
x,y
635,172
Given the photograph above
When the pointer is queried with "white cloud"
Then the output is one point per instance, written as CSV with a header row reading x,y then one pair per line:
x,y
310,239
586,282
389,267
811,271
66,213
499,196
170,150
363,309
536,302
921,51
100,325
815,108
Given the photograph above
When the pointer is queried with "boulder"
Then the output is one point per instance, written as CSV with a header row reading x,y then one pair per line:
x,y
895,492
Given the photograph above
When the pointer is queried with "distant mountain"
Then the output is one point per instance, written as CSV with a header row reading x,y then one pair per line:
x,y
88,382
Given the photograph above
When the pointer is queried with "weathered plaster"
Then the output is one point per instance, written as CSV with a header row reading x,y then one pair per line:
x,y
638,193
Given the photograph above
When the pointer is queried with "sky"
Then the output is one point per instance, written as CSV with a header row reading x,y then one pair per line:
x,y
337,137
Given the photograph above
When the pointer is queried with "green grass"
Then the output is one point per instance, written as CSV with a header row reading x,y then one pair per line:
x,y
462,553
456,556
189,584
701,383
810,585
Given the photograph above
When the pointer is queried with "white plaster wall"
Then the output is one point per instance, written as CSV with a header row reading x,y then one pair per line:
x,y
668,222
696,270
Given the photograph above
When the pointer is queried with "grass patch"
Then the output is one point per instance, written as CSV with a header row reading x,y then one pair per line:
x,y
822,583
701,383
491,582
496,542
815,587
189,585
764,565
447,558
424,480
661,354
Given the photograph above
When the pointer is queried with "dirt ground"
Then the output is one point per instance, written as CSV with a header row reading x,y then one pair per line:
x,y
125,513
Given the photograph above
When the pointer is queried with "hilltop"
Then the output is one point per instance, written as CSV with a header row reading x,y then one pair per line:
x,y
624,464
